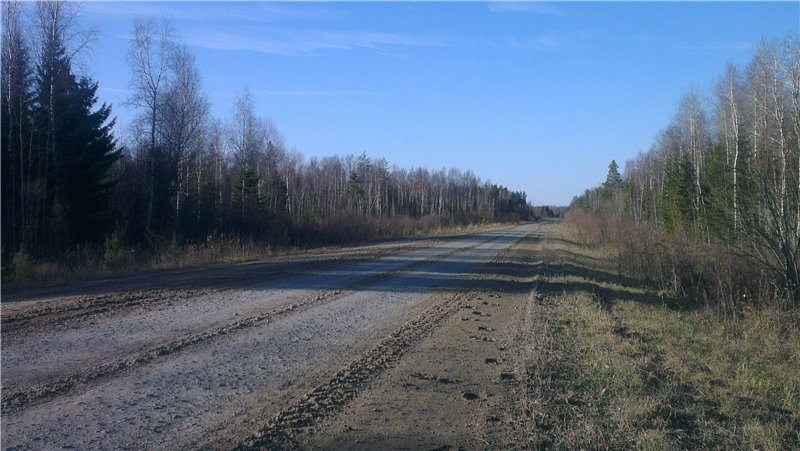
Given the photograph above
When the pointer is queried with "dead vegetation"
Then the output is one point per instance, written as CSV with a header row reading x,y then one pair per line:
x,y
115,259
608,364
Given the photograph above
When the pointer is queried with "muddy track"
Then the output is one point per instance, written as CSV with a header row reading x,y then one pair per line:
x,y
16,398
334,394
72,310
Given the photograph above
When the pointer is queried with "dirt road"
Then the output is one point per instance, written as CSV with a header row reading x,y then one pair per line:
x,y
400,344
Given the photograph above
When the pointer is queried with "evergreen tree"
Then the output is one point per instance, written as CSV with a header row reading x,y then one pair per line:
x,y
76,149
87,152
246,203
52,89
717,197
355,190
613,180
677,197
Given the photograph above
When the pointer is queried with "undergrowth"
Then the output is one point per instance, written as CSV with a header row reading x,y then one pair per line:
x,y
609,364
114,258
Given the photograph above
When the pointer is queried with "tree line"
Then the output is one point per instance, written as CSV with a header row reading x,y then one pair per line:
x,y
726,170
70,188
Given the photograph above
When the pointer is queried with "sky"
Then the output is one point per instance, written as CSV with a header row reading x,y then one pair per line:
x,y
539,97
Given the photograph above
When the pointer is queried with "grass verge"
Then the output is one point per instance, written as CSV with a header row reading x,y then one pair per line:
x,y
116,260
608,364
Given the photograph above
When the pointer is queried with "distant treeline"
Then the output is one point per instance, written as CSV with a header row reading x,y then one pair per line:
x,y
724,173
549,211
69,187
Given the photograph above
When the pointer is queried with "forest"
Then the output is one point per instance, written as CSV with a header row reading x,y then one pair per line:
x,y
73,193
712,211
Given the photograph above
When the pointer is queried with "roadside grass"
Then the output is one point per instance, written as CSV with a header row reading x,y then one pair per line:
x,y
608,364
749,368
585,387
116,260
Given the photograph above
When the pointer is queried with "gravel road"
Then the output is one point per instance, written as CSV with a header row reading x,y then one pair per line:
x,y
210,358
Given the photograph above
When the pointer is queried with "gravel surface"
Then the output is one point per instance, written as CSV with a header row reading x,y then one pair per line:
x,y
202,366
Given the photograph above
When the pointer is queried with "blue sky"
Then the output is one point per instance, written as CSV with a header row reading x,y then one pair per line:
x,y
536,96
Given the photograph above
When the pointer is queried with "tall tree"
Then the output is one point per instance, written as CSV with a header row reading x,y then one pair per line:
x,y
60,39
728,111
149,58
248,141
15,130
181,122
613,178
88,152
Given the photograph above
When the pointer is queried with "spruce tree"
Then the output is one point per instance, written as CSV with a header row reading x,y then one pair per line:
x,y
87,152
77,149
677,197
613,179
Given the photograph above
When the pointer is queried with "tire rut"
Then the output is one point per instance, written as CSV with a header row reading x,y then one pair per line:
x,y
333,395
14,399
75,309
71,310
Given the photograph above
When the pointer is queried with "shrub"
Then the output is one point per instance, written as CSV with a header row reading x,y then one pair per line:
x,y
689,269
116,255
23,266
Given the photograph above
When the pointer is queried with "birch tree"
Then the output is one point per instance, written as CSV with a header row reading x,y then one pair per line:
x,y
149,58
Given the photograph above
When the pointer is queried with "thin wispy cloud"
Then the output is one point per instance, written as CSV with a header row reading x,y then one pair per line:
x,y
644,39
713,47
297,92
253,12
542,42
526,7
299,43
313,93
114,90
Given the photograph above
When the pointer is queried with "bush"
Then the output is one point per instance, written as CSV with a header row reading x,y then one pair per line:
x,y
23,266
691,270
116,255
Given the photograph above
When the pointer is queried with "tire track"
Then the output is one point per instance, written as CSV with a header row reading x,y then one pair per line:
x,y
334,394
14,399
47,314
72,310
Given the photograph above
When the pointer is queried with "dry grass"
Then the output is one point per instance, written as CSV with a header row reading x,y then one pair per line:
x,y
609,364
747,368
118,260
686,267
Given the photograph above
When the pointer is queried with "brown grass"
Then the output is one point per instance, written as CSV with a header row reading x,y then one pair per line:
x,y
609,364
685,268
115,259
